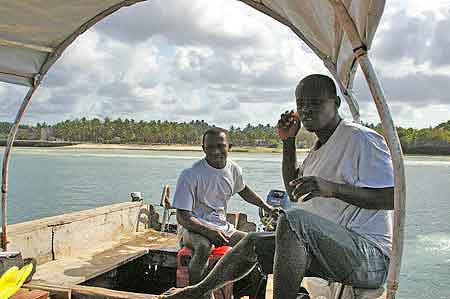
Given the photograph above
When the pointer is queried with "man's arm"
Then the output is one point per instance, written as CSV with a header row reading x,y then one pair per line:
x,y
367,198
289,165
252,197
363,197
189,222
287,127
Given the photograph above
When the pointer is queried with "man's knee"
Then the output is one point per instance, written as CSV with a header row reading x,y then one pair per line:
x,y
297,218
203,248
200,245
297,223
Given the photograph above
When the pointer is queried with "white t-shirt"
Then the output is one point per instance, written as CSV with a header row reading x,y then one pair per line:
x,y
357,156
205,191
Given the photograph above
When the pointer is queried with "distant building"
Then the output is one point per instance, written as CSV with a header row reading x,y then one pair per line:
x,y
28,134
261,142
48,134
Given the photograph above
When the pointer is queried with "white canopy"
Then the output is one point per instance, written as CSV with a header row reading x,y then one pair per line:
x,y
33,33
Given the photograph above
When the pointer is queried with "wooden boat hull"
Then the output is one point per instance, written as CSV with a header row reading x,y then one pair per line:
x,y
115,251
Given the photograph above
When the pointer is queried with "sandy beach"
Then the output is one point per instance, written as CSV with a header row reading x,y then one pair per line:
x,y
169,147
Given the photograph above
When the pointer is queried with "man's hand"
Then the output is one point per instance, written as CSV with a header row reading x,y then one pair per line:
x,y
288,125
313,185
273,213
217,237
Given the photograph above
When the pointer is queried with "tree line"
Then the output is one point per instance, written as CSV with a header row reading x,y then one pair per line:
x,y
150,132
432,140
126,130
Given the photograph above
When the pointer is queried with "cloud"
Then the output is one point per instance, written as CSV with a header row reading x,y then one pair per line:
x,y
228,64
440,44
181,23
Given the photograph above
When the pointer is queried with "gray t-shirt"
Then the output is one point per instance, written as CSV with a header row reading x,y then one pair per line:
x,y
357,156
206,191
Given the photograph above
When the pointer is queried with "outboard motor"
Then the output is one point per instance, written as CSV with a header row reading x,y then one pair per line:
x,y
275,198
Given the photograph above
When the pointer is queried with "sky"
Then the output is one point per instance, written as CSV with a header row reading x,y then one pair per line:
x,y
228,64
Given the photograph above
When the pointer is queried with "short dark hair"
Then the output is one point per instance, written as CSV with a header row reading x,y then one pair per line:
x,y
316,85
214,131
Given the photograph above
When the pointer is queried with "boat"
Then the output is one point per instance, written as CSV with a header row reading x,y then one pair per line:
x,y
339,32
124,250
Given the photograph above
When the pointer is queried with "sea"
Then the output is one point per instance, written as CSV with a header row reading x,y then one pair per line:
x,y
46,182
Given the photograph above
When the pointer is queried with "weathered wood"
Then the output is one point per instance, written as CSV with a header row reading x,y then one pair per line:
x,y
83,292
67,235
93,262
239,220
30,294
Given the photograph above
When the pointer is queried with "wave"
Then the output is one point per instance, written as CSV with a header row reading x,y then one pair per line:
x,y
427,163
435,242
137,154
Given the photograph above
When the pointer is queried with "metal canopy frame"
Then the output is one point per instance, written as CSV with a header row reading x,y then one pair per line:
x,y
360,56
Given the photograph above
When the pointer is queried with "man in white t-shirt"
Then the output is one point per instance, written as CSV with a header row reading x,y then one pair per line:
x,y
201,198
342,229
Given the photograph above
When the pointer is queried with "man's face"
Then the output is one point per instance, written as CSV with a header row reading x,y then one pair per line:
x,y
317,112
216,148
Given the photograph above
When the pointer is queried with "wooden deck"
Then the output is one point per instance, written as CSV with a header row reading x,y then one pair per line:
x,y
93,262
61,277
78,247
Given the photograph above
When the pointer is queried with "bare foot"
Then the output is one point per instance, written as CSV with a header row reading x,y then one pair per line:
x,y
180,293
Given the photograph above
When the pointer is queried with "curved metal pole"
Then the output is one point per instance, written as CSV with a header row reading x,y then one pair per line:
x,y
6,158
51,59
399,170
351,101
392,140
353,104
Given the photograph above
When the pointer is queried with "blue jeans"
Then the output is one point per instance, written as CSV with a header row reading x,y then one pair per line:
x,y
334,252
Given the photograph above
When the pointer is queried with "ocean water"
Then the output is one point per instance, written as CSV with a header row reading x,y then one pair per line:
x,y
47,182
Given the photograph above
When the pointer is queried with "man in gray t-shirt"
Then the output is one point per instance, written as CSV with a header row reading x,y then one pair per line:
x,y
201,198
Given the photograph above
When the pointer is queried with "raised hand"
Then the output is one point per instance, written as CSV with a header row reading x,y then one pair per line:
x,y
288,124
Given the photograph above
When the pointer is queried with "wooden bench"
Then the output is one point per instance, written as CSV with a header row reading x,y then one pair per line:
x,y
30,294
93,262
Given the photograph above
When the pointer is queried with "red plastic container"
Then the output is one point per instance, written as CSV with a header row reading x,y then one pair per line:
x,y
183,259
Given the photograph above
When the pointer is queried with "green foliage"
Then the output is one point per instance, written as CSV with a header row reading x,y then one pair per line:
x,y
445,126
164,132
5,127
160,132
426,140
130,131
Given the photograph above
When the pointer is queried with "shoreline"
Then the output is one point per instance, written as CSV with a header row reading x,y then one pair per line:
x,y
172,147
157,147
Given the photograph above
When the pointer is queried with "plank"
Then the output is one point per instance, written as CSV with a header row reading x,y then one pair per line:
x,y
82,292
30,294
88,264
